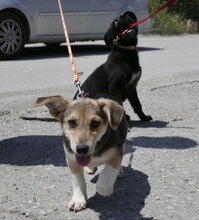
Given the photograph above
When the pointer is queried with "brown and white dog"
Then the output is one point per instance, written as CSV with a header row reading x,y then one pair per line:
x,y
94,133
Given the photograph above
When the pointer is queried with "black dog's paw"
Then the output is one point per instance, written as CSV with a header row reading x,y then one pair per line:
x,y
146,118
128,117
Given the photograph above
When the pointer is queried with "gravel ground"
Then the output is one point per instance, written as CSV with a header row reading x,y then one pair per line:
x,y
160,163
161,159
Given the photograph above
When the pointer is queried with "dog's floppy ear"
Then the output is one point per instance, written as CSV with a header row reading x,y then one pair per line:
x,y
111,33
108,39
56,105
113,110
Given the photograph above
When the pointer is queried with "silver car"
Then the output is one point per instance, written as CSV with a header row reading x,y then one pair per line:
x,y
31,21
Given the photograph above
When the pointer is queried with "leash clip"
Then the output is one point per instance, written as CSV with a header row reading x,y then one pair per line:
x,y
80,92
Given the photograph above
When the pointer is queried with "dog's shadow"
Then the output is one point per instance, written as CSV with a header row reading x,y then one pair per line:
x,y
152,124
168,142
148,124
128,199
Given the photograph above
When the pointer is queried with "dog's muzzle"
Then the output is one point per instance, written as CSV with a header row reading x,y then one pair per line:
x,y
82,159
82,149
128,38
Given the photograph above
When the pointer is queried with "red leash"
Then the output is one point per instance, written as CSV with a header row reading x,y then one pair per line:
x,y
141,21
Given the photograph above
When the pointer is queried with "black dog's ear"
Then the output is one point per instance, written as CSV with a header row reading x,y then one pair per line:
x,y
108,40
109,37
111,33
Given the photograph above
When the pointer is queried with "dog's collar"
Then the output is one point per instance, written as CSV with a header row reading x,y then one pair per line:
x,y
131,47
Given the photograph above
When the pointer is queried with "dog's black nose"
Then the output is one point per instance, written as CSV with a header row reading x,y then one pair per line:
x,y
82,149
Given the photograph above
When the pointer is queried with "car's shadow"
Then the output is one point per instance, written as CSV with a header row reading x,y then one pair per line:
x,y
50,52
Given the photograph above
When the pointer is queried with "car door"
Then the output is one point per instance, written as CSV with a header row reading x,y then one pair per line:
x,y
47,20
100,15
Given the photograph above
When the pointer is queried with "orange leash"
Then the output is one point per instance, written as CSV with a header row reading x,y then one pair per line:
x,y
75,73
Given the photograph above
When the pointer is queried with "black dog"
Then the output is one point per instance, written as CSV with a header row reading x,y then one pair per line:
x,y
119,75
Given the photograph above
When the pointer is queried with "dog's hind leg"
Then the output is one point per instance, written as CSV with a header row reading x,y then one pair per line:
x,y
121,173
78,201
135,103
108,176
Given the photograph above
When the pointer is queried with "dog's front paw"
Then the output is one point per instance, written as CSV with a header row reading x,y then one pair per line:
x,y
146,118
77,204
128,118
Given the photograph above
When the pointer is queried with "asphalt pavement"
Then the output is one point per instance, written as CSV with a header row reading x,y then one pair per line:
x,y
161,161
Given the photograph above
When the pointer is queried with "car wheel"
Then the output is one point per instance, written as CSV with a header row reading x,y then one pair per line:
x,y
12,36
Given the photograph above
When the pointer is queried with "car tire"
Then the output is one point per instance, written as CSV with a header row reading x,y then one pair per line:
x,y
12,36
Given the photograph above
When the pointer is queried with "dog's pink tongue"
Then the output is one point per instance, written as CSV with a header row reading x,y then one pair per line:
x,y
83,161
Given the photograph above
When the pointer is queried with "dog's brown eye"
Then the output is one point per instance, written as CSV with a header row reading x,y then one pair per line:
x,y
95,124
72,123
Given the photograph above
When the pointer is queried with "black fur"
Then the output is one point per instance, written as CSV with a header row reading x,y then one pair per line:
x,y
119,75
119,24
112,139
67,143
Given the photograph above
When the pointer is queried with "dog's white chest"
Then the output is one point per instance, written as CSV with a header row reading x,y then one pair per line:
x,y
134,79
